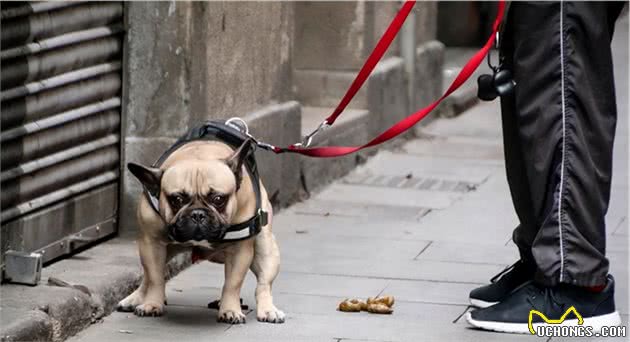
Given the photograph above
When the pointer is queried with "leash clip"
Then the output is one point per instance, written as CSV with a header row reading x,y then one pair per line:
x,y
308,139
265,145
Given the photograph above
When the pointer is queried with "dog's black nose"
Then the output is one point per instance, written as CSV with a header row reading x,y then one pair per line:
x,y
198,216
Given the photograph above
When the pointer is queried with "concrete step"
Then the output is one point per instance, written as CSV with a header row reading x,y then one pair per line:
x,y
326,87
466,96
351,129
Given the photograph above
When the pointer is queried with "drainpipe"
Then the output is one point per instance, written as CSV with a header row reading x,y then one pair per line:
x,y
408,53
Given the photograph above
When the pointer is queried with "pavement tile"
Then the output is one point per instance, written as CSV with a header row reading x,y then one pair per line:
x,y
354,340
295,304
202,283
619,227
617,244
179,324
340,226
389,163
457,147
362,327
484,230
480,121
317,246
417,270
617,216
343,208
328,285
469,253
430,291
388,196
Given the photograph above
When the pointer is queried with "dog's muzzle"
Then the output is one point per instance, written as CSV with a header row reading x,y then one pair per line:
x,y
197,225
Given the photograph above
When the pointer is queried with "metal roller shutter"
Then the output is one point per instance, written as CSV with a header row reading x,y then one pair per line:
x,y
60,141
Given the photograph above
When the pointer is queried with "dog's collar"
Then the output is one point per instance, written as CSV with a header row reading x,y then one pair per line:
x,y
220,131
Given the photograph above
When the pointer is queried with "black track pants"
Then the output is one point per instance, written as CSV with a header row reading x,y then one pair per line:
x,y
558,132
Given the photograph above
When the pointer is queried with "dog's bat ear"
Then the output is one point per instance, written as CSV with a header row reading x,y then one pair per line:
x,y
150,177
235,162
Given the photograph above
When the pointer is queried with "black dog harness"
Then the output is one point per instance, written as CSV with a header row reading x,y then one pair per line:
x,y
233,135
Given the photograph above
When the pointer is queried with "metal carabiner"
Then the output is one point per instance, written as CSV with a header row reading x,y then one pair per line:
x,y
308,139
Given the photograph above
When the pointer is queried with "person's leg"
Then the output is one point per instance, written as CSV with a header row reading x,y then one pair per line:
x,y
502,284
515,162
565,111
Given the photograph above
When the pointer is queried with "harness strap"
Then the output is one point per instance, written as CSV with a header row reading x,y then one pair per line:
x,y
409,121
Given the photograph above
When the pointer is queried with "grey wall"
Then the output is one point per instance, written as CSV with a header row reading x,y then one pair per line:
x,y
331,35
243,56
426,21
187,62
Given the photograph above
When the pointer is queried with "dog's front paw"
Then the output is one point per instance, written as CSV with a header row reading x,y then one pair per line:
x,y
125,307
149,309
231,317
270,316
130,302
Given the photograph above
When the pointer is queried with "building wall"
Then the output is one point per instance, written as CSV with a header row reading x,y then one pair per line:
x,y
187,62
244,58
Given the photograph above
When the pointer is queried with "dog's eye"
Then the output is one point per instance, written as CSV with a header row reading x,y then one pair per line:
x,y
177,201
219,201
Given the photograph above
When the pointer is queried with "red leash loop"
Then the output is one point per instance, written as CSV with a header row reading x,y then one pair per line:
x,y
370,63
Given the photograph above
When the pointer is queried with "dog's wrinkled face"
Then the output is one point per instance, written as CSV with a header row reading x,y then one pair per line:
x,y
197,199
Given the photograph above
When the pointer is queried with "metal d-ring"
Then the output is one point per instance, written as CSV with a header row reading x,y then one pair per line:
x,y
243,125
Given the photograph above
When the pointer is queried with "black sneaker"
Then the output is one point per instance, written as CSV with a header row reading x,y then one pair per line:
x,y
502,284
512,314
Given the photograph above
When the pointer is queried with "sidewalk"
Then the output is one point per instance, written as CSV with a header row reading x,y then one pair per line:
x,y
425,223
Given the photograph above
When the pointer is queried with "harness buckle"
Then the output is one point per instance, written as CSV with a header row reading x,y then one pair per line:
x,y
308,139
263,218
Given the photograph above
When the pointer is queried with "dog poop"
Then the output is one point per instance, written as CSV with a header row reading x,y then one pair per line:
x,y
378,305
379,308
386,300
351,305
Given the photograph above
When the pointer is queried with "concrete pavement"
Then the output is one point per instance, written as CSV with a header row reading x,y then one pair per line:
x,y
426,223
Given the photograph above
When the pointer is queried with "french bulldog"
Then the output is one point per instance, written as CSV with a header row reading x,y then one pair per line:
x,y
204,188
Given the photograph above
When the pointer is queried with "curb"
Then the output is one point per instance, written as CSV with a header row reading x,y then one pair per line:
x,y
460,101
56,313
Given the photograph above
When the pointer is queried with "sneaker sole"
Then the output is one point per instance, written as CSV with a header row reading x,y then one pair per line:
x,y
478,303
597,322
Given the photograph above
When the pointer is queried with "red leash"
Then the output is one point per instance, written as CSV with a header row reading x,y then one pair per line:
x,y
364,73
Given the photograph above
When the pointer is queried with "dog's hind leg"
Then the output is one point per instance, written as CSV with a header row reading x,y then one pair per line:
x,y
265,266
